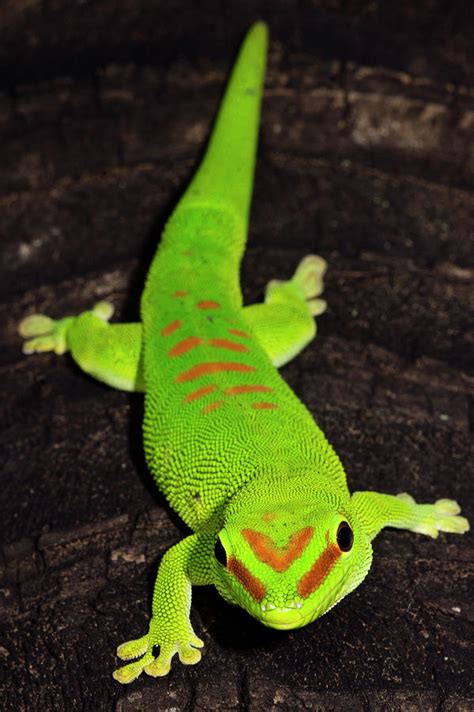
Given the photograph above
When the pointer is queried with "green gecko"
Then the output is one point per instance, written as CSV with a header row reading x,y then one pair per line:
x,y
238,456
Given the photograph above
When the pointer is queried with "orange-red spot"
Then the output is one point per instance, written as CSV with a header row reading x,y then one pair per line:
x,y
170,328
180,293
279,558
313,578
199,393
263,405
226,344
268,517
212,406
237,332
204,369
187,253
253,585
208,304
235,390
182,347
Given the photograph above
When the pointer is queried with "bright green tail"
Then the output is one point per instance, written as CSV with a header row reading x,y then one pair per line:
x,y
225,175
204,239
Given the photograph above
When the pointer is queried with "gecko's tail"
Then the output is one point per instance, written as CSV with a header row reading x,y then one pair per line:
x,y
204,238
225,175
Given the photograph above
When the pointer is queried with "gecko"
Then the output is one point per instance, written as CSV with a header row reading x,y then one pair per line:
x,y
273,525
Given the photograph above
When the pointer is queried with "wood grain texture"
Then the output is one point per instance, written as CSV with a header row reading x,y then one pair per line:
x,y
365,157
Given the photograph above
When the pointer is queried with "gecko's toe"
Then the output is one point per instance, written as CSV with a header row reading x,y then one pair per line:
x,y
133,648
309,275
104,310
35,325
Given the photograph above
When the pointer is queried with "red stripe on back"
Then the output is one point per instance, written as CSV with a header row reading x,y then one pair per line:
x,y
226,344
182,347
180,293
203,369
170,328
235,390
199,393
208,304
212,406
237,332
263,405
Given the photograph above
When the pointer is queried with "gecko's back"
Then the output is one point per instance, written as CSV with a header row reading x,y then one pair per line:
x,y
217,411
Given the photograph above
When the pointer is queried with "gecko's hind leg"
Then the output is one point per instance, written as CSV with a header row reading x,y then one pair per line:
x,y
284,324
109,352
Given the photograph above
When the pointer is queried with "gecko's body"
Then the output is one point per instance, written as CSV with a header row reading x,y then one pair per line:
x,y
234,450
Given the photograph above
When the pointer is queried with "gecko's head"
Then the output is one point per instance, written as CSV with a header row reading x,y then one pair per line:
x,y
287,567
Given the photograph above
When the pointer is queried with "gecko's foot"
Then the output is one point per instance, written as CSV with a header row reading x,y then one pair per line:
x,y
308,280
41,333
186,648
442,516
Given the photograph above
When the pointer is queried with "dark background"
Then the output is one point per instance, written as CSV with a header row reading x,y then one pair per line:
x,y
365,157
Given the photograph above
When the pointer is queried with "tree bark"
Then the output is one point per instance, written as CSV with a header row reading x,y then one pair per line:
x,y
366,158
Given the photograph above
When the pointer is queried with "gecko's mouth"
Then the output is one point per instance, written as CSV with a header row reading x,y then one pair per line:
x,y
284,618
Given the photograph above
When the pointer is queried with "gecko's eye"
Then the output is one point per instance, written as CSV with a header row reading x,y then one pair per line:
x,y
345,537
220,553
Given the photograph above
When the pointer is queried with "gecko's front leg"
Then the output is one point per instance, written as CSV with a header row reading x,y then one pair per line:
x,y
185,564
376,511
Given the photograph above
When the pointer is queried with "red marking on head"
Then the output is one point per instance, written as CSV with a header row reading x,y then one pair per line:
x,y
237,332
199,393
253,585
180,293
236,390
208,304
226,344
182,347
279,558
212,406
313,578
204,369
263,405
268,517
170,328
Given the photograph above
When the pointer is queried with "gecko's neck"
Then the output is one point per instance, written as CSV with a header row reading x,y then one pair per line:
x,y
298,487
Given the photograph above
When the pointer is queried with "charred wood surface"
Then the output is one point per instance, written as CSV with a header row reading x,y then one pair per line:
x,y
366,158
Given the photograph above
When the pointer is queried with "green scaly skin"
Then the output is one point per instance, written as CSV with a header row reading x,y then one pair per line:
x,y
236,453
